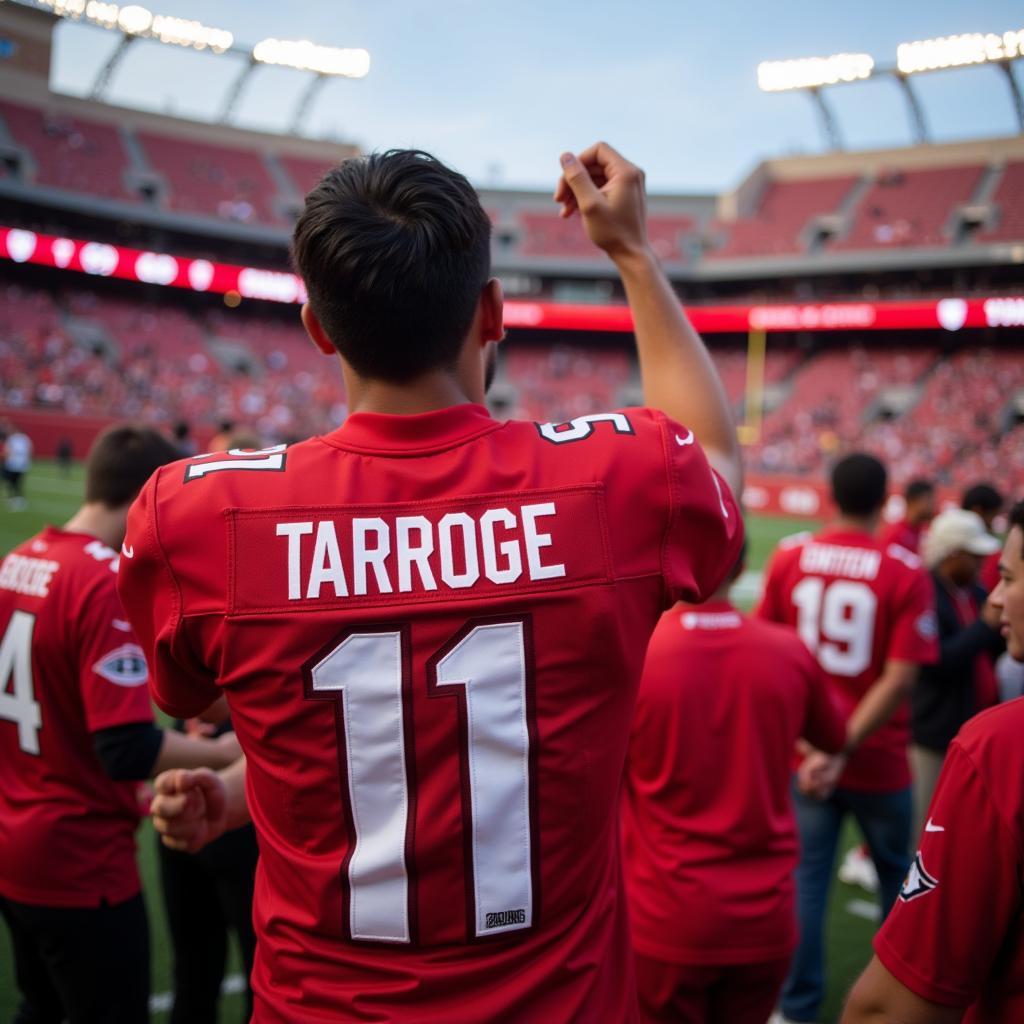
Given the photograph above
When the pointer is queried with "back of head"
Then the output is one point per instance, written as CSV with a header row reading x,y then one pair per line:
x,y
859,485
982,498
918,489
394,249
121,460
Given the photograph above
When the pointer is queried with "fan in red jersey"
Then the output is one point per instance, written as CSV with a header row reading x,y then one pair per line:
x,y
76,735
430,624
955,939
867,611
919,511
709,837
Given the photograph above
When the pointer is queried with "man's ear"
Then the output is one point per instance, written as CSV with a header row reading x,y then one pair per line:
x,y
492,310
316,332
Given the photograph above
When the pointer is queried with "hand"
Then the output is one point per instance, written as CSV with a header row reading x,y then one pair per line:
x,y
819,773
190,808
198,729
608,192
989,614
229,749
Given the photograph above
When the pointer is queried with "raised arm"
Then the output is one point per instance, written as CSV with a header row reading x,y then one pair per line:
x,y
676,371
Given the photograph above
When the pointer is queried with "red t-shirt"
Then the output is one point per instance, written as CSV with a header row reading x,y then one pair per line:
x,y
905,534
430,630
989,575
956,934
69,666
857,604
708,832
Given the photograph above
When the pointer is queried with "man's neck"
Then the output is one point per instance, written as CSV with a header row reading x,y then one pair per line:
x,y
426,394
856,524
99,521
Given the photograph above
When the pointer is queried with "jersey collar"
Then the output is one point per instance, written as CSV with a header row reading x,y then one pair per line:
x,y
412,435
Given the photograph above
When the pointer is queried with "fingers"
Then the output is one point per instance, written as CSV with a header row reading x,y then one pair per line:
x,y
609,160
578,179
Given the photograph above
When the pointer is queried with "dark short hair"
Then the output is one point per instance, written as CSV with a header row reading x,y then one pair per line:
x,y
859,484
1017,516
918,488
121,460
394,249
983,496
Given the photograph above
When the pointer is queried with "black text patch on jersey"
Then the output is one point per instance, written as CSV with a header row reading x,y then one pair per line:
x,y
125,666
918,882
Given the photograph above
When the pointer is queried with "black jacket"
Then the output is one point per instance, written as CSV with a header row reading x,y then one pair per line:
x,y
943,697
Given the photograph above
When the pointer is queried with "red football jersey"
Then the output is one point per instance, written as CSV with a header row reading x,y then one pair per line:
x,y
708,832
905,534
857,604
69,666
430,631
956,934
989,575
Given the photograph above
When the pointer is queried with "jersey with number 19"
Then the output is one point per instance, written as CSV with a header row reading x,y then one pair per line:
x,y
430,631
857,603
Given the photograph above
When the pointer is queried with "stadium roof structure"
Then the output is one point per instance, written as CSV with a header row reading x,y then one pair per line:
x,y
134,22
971,49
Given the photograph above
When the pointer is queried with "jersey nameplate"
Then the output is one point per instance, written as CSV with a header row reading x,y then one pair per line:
x,y
349,556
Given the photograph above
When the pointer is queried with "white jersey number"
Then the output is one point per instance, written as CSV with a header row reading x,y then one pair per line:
x,y
487,668
837,622
241,458
20,705
583,426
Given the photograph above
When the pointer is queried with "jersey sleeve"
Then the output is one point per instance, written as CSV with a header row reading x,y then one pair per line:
x,y
771,607
112,671
824,724
179,683
915,629
961,895
704,532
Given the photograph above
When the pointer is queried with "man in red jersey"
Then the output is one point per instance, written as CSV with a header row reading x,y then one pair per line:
x,y
955,938
76,736
919,511
867,611
708,832
430,625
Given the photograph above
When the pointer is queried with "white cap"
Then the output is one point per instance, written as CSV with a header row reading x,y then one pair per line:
x,y
957,530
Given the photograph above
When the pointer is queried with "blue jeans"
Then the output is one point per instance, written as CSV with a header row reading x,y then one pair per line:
x,y
884,820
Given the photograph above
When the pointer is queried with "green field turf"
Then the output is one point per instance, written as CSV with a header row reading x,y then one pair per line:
x,y
52,497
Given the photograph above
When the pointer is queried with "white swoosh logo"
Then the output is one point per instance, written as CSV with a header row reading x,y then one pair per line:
x,y
127,551
684,441
929,827
121,624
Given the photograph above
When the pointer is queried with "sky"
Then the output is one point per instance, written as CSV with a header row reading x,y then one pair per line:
x,y
498,90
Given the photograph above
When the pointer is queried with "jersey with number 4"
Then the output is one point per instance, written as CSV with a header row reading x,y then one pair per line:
x,y
857,603
69,666
430,631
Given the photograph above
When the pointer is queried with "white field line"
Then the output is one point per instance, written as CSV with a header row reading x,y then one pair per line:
x,y
865,909
161,1002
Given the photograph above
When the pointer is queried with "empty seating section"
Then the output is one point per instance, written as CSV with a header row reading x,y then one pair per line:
x,y
783,213
547,235
910,208
303,172
70,153
221,181
1009,203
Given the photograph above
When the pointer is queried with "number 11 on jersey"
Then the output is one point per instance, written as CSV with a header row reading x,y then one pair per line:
x,y
486,667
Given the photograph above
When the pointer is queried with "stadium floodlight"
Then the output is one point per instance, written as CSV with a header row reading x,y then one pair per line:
x,y
304,55
139,23
813,72
958,51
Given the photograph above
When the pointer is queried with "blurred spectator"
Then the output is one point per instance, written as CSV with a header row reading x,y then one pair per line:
x,y
183,439
64,453
987,502
919,499
963,682
17,461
